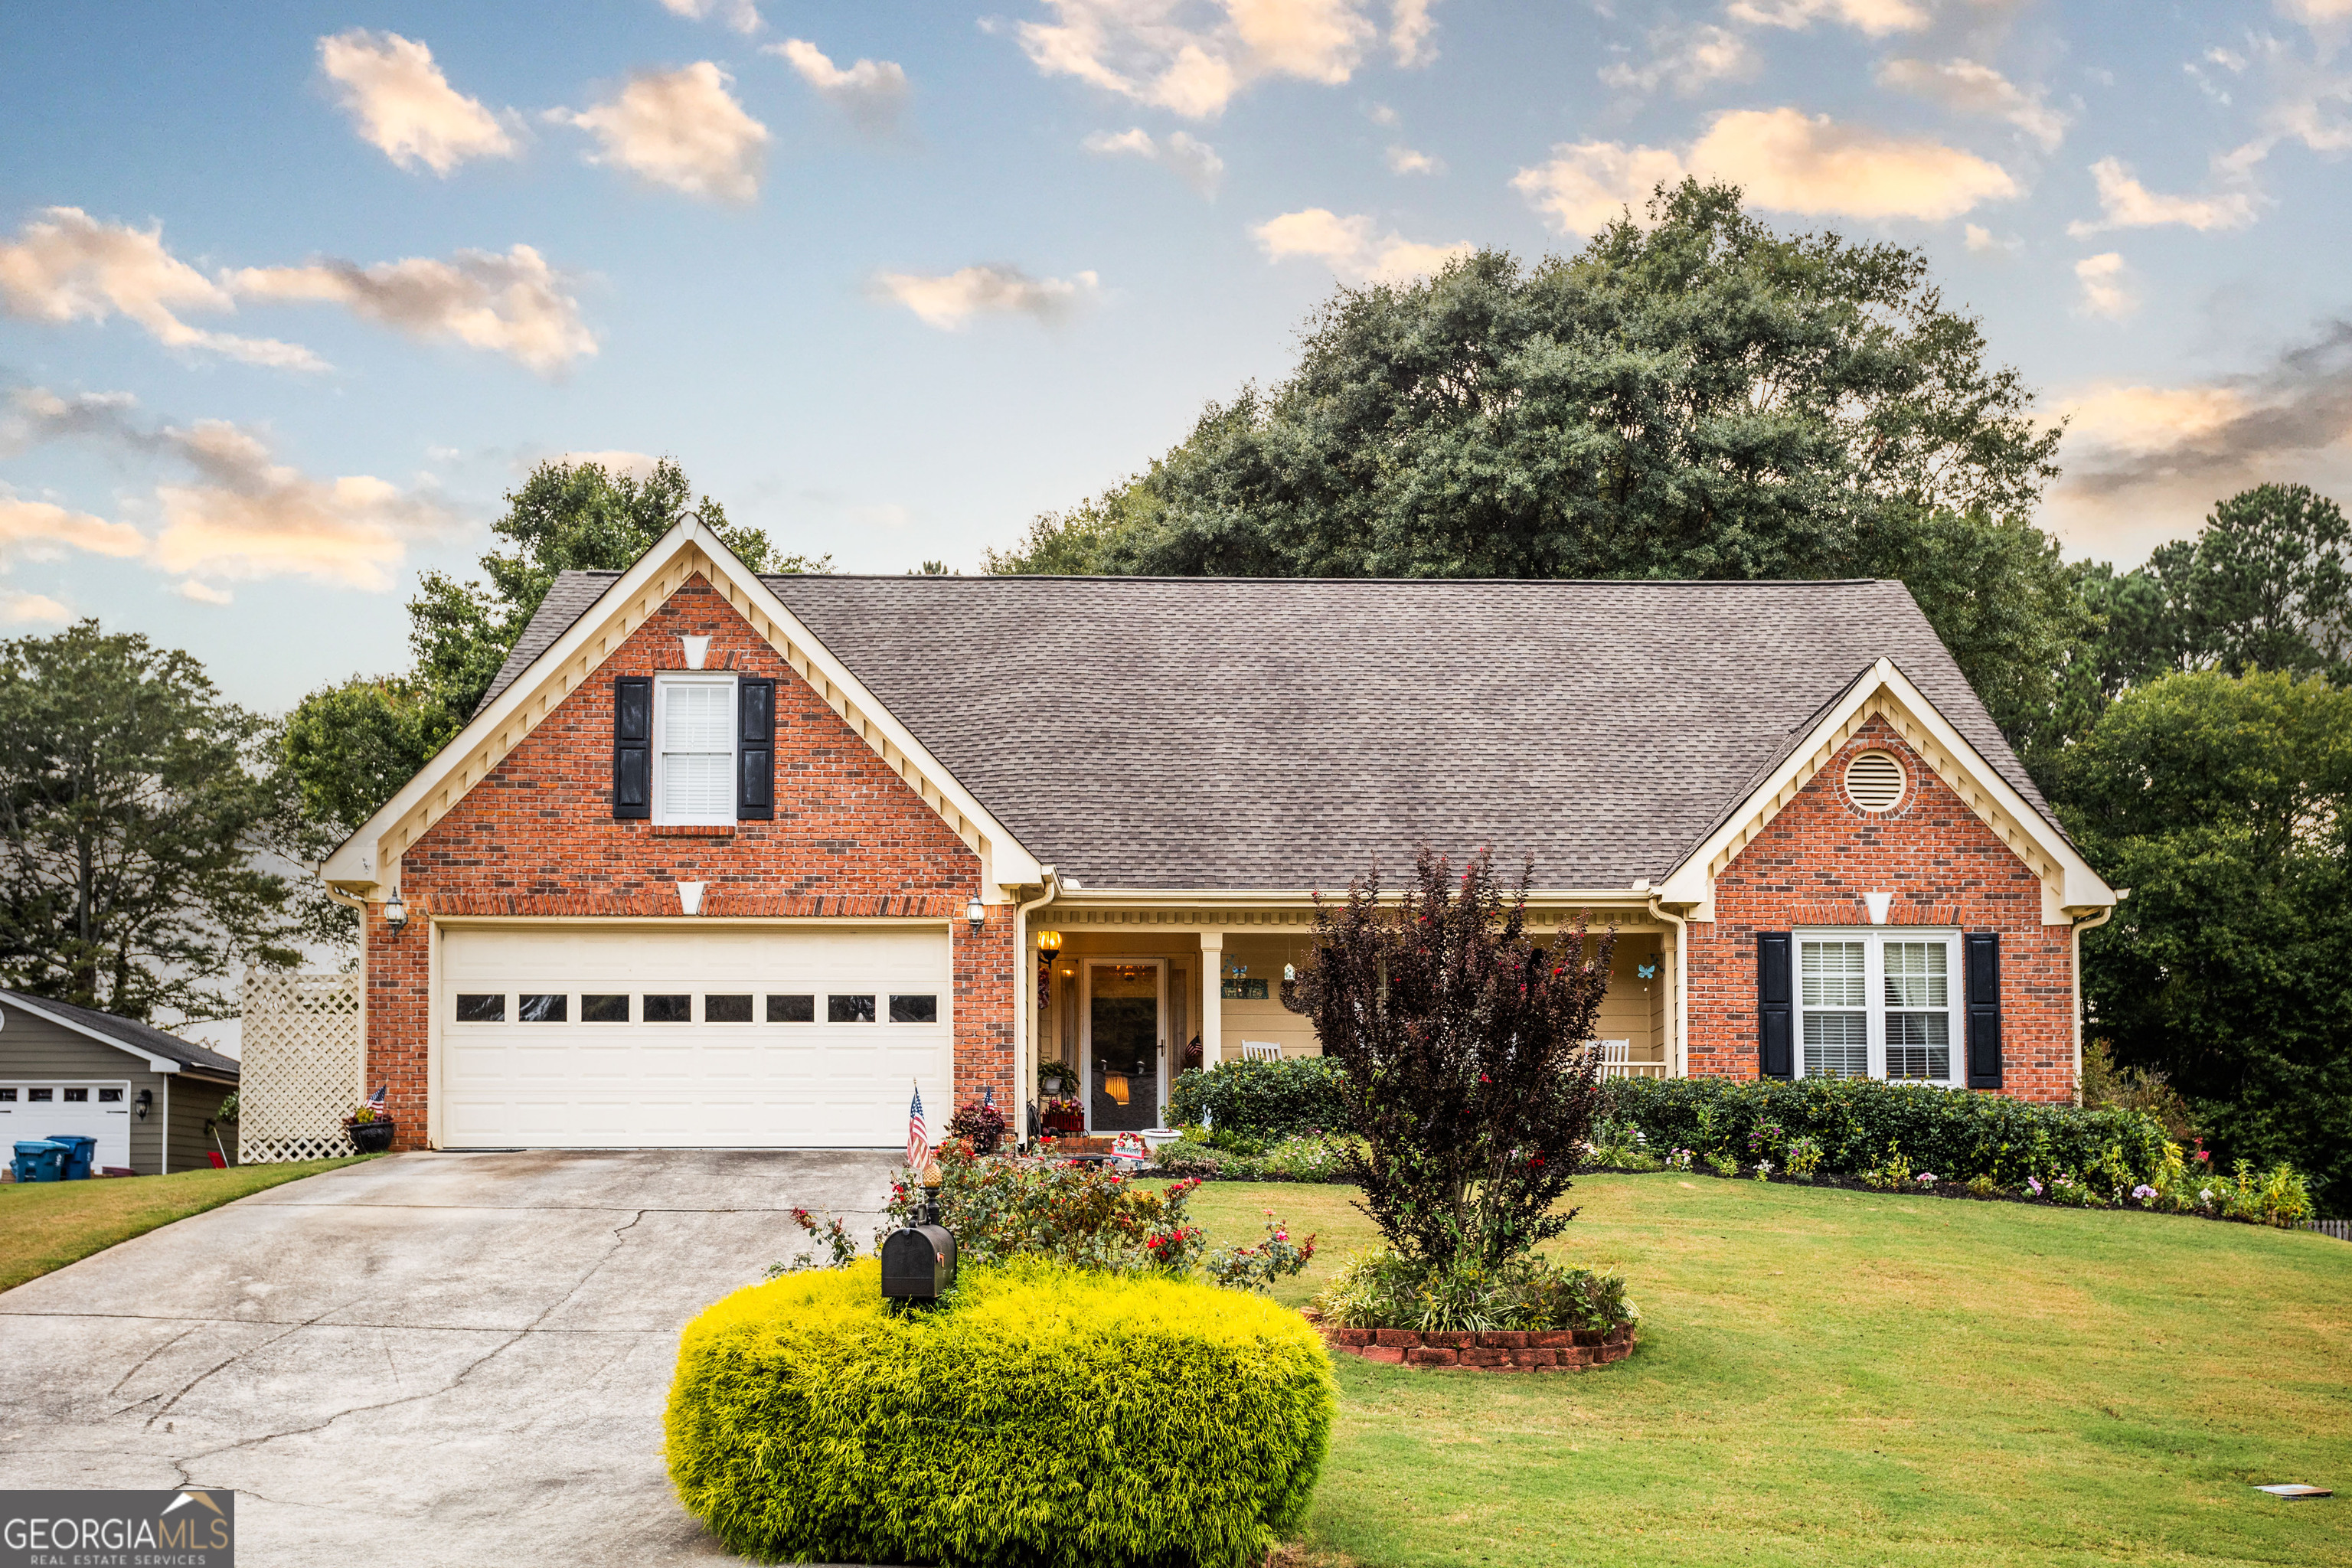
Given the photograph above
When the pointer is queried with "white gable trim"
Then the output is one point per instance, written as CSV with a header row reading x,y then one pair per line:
x,y
155,1063
2070,888
362,865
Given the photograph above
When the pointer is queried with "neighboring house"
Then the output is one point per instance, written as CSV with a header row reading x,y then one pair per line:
x,y
732,860
150,1098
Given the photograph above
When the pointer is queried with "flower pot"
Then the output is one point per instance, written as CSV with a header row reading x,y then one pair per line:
x,y
371,1137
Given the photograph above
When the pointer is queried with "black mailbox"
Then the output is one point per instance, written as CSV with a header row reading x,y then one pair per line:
x,y
919,1264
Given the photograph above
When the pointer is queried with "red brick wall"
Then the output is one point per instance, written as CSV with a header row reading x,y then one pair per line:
x,y
537,838
1944,868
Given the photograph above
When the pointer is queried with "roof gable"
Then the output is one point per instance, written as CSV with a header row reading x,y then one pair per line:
x,y
555,656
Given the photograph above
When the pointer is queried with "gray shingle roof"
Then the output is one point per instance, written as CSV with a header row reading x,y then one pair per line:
x,y
130,1032
567,600
1280,733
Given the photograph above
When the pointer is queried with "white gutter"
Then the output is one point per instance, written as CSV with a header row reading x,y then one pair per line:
x,y
1024,982
1678,1060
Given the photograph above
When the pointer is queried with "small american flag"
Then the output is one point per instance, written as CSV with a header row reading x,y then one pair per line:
x,y
919,1136
375,1101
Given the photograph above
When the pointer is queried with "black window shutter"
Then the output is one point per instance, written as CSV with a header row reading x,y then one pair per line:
x,y
633,745
1983,962
1775,1012
755,751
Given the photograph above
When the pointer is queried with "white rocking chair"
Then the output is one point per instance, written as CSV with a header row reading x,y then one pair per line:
x,y
1261,1051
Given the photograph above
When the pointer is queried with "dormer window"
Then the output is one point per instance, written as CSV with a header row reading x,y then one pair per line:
x,y
694,749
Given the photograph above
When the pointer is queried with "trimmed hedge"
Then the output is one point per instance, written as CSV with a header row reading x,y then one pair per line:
x,y
1260,1099
1041,1415
1955,1133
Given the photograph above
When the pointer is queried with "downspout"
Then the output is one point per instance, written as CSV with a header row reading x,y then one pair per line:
x,y
1679,1058
1024,982
2092,921
163,1165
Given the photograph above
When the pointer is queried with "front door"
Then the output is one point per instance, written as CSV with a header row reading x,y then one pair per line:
x,y
1125,1043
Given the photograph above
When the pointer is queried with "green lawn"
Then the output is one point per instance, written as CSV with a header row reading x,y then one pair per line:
x,y
1829,1377
44,1225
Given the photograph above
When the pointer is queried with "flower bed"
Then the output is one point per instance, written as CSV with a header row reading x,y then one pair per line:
x,y
1556,1349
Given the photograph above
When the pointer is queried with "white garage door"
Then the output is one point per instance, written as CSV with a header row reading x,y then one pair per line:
x,y
724,1037
30,1108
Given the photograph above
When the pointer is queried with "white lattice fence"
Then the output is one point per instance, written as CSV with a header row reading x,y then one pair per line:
x,y
301,1069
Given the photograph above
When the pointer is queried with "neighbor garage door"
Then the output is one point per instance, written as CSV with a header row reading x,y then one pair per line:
x,y
720,1037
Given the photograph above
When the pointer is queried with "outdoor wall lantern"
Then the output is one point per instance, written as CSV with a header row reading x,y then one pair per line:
x,y
395,914
977,913
1049,942
146,1102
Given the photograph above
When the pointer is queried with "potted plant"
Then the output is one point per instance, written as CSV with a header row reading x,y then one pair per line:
x,y
371,1132
1063,1114
1056,1078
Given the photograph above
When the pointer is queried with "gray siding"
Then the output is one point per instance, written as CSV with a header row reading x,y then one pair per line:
x,y
194,1101
35,1049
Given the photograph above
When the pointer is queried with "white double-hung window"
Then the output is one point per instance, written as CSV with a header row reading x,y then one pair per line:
x,y
694,749
1879,1004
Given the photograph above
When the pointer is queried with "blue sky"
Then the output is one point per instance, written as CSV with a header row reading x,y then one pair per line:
x,y
290,293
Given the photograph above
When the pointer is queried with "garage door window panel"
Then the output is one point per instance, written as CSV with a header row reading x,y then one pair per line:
x,y
40,1096
726,1009
77,1097
791,1009
110,1095
594,1009
849,1009
668,1008
695,724
481,1007
914,1009
545,1008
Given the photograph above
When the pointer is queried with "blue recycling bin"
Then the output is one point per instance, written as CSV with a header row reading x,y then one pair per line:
x,y
81,1153
39,1160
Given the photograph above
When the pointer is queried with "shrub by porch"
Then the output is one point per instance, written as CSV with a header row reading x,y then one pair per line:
x,y
1041,1415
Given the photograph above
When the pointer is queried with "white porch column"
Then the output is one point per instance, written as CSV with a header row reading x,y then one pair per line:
x,y
1212,998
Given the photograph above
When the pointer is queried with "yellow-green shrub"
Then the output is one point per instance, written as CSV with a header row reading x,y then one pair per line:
x,y
1040,1415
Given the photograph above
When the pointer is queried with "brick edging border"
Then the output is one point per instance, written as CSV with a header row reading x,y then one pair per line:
x,y
1562,1350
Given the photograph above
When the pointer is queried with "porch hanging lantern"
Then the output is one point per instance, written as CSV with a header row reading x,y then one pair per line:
x,y
395,914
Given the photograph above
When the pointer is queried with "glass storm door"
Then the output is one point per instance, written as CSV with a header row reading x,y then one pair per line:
x,y
1125,1045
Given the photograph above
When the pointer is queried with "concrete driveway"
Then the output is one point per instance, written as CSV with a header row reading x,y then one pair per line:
x,y
431,1359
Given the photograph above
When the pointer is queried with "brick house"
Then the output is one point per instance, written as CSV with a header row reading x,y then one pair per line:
x,y
726,860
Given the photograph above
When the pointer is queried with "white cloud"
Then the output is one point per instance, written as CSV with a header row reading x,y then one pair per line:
x,y
681,128
1782,159
1973,89
1192,57
2306,101
1687,61
66,265
1191,159
950,300
1408,28
203,593
402,105
40,531
32,609
1350,249
248,517
1981,239
743,15
1587,185
871,93
2125,203
1405,161
239,515
1790,162
1875,17
2316,13
513,304
2104,290
2145,462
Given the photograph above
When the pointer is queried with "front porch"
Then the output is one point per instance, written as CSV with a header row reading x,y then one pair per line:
x,y
1124,996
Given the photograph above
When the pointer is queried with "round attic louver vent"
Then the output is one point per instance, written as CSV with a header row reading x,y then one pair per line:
x,y
1873,781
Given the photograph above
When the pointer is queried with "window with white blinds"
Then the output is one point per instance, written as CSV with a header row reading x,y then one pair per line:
x,y
1877,1004
694,749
